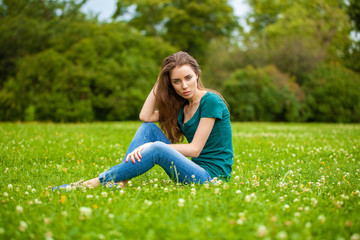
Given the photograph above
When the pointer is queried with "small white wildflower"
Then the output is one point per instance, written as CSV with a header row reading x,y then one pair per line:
x,y
321,219
193,176
355,236
104,194
217,190
238,191
6,194
85,212
26,193
166,190
28,187
282,235
10,186
181,202
308,224
36,201
286,207
121,192
89,196
206,186
155,186
247,198
240,221
237,178
19,209
23,226
262,231
147,202
111,215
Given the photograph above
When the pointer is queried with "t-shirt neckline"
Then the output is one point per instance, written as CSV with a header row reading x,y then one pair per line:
x,y
183,115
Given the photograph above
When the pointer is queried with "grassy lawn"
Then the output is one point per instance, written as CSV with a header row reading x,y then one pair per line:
x,y
289,181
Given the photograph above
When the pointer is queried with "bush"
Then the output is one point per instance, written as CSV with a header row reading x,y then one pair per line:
x,y
104,76
263,94
333,94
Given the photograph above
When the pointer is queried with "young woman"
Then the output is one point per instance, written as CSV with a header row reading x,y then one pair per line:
x,y
182,106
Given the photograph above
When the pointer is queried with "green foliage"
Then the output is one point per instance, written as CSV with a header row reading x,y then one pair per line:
x,y
186,24
333,94
262,94
104,76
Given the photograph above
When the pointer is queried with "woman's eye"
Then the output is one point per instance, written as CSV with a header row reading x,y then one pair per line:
x,y
188,77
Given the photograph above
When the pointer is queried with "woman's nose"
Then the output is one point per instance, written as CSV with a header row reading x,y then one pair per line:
x,y
184,85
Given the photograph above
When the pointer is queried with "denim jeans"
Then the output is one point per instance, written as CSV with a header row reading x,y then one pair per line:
x,y
177,166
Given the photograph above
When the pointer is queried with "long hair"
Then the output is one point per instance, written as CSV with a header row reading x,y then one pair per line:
x,y
167,100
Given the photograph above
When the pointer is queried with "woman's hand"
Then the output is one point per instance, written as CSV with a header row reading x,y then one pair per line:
x,y
136,153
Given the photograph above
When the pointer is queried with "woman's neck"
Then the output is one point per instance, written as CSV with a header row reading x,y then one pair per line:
x,y
196,98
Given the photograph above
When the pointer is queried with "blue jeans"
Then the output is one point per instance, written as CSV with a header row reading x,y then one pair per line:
x,y
177,166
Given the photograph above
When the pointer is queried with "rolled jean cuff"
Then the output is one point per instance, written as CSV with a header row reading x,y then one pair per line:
x,y
102,177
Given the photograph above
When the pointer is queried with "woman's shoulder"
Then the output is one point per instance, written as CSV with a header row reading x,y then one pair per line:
x,y
212,98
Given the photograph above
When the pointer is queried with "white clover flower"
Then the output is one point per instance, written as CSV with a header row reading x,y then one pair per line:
x,y
6,194
104,194
262,231
208,218
155,186
19,209
10,186
247,198
286,207
89,196
23,226
36,201
238,191
149,203
282,235
139,189
85,212
28,187
217,190
111,215
240,221
181,202
321,219
121,192
166,190
206,185
355,236
49,236
26,193
237,178
33,190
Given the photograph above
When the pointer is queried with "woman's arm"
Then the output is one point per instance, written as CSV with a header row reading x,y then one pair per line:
x,y
148,113
192,149
202,134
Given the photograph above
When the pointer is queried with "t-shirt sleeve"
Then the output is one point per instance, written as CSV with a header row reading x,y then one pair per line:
x,y
212,107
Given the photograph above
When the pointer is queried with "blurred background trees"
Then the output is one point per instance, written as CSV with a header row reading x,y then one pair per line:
x,y
296,60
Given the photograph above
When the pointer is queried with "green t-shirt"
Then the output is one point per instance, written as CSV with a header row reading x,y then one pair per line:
x,y
217,155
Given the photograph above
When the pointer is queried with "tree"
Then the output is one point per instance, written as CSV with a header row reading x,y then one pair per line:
x,y
186,24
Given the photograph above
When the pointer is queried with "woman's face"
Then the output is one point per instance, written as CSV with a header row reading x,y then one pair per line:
x,y
184,80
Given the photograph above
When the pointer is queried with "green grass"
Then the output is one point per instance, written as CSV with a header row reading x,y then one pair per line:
x,y
289,181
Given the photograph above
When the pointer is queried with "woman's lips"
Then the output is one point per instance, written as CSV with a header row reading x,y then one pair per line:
x,y
186,93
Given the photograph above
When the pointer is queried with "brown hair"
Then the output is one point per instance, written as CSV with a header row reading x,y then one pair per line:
x,y
167,100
